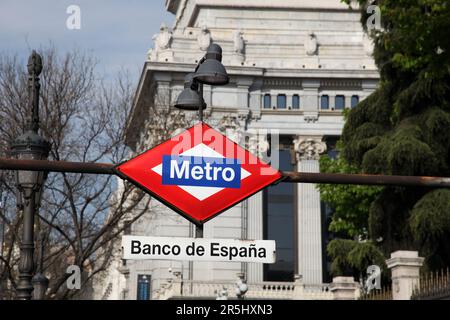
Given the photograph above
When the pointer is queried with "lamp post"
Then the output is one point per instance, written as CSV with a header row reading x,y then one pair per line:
x,y
40,281
30,146
211,71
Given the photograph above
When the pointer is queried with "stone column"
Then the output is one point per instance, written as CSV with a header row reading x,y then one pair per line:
x,y
405,267
255,232
309,231
344,288
259,146
289,101
348,101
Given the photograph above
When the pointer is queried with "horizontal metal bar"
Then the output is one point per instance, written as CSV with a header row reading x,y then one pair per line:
x,y
290,177
366,179
56,166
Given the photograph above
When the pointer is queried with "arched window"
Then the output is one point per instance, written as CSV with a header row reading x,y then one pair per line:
x,y
324,102
267,101
281,101
295,101
339,102
355,101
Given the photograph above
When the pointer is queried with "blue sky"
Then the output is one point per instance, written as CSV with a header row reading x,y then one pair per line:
x,y
117,32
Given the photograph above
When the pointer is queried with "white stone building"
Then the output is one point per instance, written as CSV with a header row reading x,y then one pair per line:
x,y
294,66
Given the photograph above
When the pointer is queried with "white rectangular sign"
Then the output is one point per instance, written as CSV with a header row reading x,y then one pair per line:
x,y
169,248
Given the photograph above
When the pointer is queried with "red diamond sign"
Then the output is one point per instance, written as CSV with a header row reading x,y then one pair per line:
x,y
199,173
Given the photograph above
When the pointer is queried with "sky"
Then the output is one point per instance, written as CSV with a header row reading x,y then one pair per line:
x,y
117,32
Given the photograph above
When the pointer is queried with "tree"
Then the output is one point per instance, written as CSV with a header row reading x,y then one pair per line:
x,y
402,128
84,120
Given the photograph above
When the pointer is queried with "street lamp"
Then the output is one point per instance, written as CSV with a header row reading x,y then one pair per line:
x,y
30,146
190,98
209,70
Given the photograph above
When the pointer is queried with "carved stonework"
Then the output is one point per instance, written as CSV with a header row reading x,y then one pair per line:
x,y
204,38
238,47
309,148
258,145
164,38
163,42
311,117
311,44
238,42
230,126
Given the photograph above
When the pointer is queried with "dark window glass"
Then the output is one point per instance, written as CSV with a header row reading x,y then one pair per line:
x,y
281,101
143,287
339,103
324,102
355,101
279,211
296,101
267,103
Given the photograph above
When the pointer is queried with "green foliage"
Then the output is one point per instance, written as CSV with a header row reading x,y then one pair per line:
x,y
430,225
338,250
401,129
430,217
351,257
365,254
350,202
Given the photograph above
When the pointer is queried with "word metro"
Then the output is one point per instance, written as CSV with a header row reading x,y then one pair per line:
x,y
201,171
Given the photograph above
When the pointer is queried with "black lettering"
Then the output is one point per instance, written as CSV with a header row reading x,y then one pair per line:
x,y
157,246
233,253
200,250
252,251
176,250
224,251
166,250
190,249
261,253
214,247
135,247
147,249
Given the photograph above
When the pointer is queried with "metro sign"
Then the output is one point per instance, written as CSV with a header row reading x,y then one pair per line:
x,y
199,173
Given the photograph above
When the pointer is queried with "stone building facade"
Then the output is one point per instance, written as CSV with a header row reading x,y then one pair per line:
x,y
294,66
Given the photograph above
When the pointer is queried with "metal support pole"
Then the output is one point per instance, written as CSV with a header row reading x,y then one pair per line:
x,y
200,110
199,228
199,231
26,265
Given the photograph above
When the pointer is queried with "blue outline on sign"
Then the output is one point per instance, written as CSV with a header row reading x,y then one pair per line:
x,y
211,172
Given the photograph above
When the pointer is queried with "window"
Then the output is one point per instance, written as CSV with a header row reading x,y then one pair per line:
x,y
143,287
279,222
339,102
267,101
324,102
355,101
281,101
295,101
